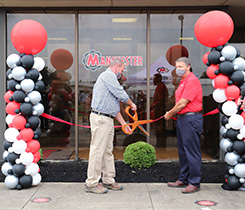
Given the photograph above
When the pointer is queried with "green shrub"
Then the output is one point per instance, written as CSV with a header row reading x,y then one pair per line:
x,y
140,155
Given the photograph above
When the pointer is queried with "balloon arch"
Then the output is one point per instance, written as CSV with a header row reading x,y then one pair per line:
x,y
23,97
226,70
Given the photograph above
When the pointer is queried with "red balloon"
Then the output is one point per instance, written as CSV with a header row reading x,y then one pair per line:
x,y
33,146
205,58
7,95
29,36
214,28
221,81
26,134
232,92
19,122
11,107
210,71
175,52
37,157
61,59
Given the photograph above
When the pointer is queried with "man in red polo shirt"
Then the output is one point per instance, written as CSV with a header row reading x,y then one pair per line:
x,y
189,124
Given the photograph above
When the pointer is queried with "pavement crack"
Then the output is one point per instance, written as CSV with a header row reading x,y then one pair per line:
x,y
32,196
150,196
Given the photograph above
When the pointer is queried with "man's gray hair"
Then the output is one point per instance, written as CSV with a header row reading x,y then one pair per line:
x,y
184,59
115,62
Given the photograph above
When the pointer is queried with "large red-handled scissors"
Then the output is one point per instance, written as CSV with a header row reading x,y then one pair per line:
x,y
136,123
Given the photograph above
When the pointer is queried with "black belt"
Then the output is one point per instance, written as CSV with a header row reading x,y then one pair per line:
x,y
188,113
101,113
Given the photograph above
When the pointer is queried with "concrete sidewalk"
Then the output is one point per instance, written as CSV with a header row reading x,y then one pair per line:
x,y
142,196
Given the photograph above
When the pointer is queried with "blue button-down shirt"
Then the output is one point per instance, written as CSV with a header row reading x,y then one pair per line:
x,y
107,93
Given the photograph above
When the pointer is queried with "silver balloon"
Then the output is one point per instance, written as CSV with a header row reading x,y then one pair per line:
x,y
239,170
5,154
224,144
18,73
229,52
27,85
242,180
239,63
5,167
11,181
222,130
38,109
231,158
12,60
35,97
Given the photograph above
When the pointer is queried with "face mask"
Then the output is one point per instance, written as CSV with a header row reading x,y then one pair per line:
x,y
180,72
119,75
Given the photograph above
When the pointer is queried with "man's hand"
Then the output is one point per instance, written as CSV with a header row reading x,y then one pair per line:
x,y
167,116
133,107
128,129
241,102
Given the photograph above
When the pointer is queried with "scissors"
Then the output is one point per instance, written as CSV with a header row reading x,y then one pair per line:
x,y
136,123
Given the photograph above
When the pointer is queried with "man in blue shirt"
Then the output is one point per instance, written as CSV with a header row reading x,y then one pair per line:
x,y
107,94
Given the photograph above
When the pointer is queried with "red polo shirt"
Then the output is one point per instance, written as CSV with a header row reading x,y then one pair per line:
x,y
190,88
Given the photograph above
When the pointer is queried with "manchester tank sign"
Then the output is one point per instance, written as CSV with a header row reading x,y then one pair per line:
x,y
94,60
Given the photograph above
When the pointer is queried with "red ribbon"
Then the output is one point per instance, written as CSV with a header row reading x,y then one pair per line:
x,y
215,111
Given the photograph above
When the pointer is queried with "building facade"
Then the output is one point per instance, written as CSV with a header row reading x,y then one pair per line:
x,y
83,36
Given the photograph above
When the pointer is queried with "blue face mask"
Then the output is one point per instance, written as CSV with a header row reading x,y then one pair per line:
x,y
180,72
119,75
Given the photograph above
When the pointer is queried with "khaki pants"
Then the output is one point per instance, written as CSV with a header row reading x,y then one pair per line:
x,y
101,159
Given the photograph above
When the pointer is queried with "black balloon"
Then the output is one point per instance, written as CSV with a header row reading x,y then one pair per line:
x,y
12,157
32,74
220,107
7,144
219,48
26,181
224,120
242,86
19,187
27,61
214,57
37,134
233,182
232,134
39,86
240,160
18,169
19,96
237,77
226,68
11,85
34,122
26,109
239,147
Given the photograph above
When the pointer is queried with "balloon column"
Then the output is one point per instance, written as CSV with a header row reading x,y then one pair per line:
x,y
60,95
226,70
23,106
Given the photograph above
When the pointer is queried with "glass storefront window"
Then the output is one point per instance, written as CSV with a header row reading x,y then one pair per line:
x,y
57,140
103,37
172,36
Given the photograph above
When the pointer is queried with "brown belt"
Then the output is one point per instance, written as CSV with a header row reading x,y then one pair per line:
x,y
188,113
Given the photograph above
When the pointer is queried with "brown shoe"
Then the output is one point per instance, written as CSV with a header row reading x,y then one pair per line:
x,y
98,189
114,186
178,184
190,189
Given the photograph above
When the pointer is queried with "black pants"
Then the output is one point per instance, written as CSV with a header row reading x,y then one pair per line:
x,y
189,129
